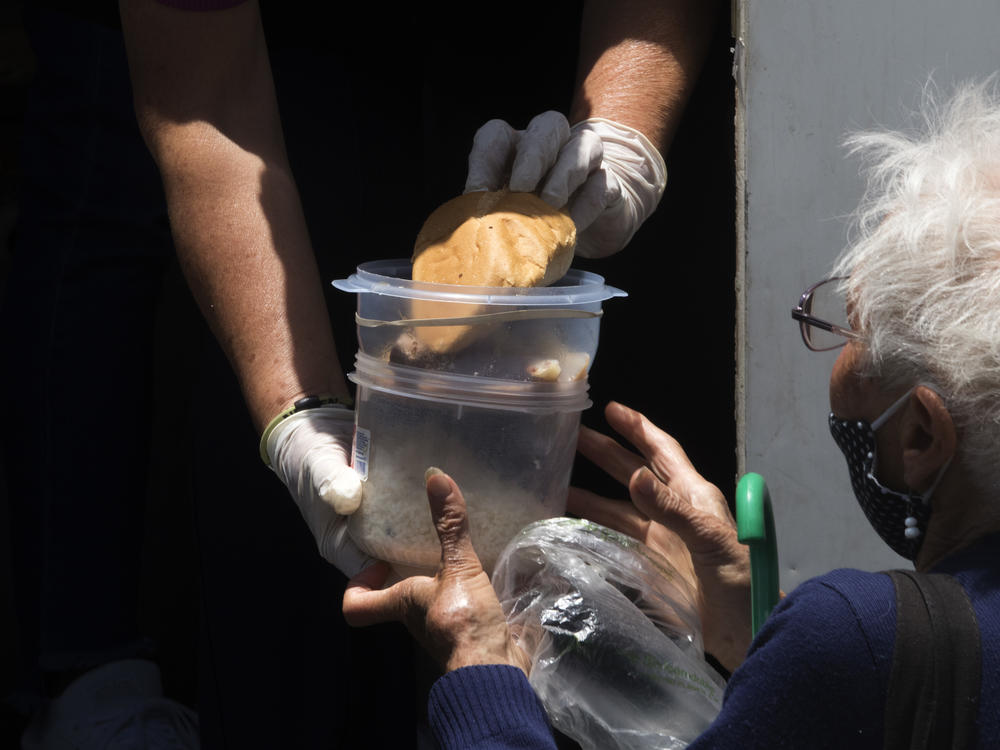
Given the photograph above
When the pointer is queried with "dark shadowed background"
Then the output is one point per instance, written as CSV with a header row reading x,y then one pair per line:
x,y
379,112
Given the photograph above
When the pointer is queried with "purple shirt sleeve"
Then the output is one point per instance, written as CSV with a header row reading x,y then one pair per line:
x,y
201,4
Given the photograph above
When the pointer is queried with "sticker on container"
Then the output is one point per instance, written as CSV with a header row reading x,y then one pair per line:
x,y
362,447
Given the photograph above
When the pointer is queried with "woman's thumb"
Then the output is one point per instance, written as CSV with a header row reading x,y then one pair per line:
x,y
450,519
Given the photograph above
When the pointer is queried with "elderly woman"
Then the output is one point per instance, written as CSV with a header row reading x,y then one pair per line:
x,y
915,407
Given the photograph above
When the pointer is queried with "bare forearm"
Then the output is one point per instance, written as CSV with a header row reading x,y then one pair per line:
x,y
205,102
639,61
242,241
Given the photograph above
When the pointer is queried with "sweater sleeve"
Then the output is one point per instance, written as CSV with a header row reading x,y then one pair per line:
x,y
816,674
488,707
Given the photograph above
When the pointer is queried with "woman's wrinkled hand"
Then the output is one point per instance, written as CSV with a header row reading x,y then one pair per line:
x,y
455,615
681,515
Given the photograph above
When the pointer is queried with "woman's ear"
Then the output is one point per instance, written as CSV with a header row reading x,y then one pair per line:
x,y
928,438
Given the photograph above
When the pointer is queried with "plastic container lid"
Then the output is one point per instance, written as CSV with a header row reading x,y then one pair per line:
x,y
392,278
495,393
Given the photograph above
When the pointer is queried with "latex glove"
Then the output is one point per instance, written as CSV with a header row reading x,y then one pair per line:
x,y
310,452
608,177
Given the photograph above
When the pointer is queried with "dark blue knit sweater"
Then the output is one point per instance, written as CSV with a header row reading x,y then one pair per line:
x,y
816,674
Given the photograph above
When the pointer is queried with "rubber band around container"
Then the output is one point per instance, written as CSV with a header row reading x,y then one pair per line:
x,y
482,319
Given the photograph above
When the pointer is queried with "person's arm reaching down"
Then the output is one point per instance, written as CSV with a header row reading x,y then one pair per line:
x,y
206,106
639,62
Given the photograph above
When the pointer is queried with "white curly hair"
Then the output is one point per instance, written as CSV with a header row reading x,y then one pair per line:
x,y
923,264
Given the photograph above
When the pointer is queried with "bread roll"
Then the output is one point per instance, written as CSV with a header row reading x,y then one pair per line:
x,y
495,239
492,239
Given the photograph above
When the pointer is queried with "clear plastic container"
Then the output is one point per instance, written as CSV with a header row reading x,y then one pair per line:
x,y
484,383
510,333
508,444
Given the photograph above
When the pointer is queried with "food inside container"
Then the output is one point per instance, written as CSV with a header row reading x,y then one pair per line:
x,y
509,446
521,328
500,414
472,358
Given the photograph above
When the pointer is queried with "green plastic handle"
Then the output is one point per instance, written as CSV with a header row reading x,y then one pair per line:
x,y
755,528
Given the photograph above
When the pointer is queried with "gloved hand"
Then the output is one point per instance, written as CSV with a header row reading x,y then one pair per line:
x,y
608,176
310,451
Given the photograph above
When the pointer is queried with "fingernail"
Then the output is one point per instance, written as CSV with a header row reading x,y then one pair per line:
x,y
440,488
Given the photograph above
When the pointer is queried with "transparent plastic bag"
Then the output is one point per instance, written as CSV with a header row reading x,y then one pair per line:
x,y
613,633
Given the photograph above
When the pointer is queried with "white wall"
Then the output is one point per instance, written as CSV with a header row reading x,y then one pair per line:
x,y
808,72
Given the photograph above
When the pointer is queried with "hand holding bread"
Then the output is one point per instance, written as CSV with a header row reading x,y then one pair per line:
x,y
607,176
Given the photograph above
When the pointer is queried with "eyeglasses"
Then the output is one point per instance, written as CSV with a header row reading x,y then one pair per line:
x,y
818,305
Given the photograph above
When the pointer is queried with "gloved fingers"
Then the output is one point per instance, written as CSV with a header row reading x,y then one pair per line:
x,y
452,524
296,434
310,453
634,159
608,233
489,159
637,171
537,150
336,546
333,481
579,157
600,192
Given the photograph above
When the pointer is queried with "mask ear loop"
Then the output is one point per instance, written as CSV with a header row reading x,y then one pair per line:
x,y
896,405
879,421
912,531
937,480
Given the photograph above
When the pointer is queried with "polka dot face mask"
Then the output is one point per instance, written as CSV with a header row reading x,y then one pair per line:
x,y
900,518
